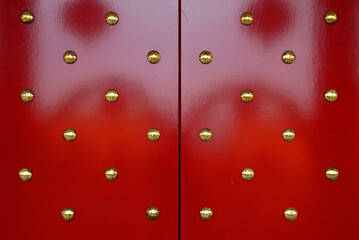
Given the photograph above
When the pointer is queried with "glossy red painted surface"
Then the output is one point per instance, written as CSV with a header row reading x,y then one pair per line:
x,y
287,174
71,174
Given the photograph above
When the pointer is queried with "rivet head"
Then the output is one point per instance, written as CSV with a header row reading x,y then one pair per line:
x,y
153,134
205,57
27,17
288,57
69,135
152,213
331,95
25,174
27,95
332,173
153,57
290,214
331,17
247,18
68,214
70,57
111,95
205,134
247,96
112,18
111,174
248,174
288,135
206,213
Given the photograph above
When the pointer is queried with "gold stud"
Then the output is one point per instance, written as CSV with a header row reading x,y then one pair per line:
x,y
153,213
331,95
25,174
331,17
247,96
70,57
288,134
206,213
111,174
111,18
248,174
332,173
111,95
68,214
205,57
153,134
205,134
27,17
288,57
247,18
290,214
153,57
27,95
69,135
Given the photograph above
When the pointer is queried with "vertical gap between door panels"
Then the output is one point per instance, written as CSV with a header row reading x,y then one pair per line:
x,y
179,119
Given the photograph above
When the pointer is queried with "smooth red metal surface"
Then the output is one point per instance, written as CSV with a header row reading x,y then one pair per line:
x,y
71,174
287,174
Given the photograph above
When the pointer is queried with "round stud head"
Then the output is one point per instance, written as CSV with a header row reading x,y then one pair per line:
x,y
153,134
69,135
112,18
288,135
331,95
206,213
111,174
247,96
152,213
205,134
27,17
205,57
331,17
248,174
25,174
247,18
290,214
332,173
288,57
153,57
70,57
68,214
27,95
111,95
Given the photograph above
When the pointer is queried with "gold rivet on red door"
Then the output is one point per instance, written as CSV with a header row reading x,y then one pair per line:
x,y
206,213
331,95
288,134
25,174
332,173
27,17
70,135
290,214
153,134
153,57
27,95
68,214
111,174
248,174
247,18
112,18
70,57
205,134
247,96
111,95
205,57
153,213
331,17
288,57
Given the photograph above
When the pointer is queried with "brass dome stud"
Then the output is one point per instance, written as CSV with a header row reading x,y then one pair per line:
x,y
27,95
288,57
331,17
111,174
205,134
25,174
153,57
70,135
288,135
332,174
247,96
331,95
112,18
205,57
152,213
27,17
248,174
290,214
68,214
247,18
206,214
70,57
153,134
111,95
